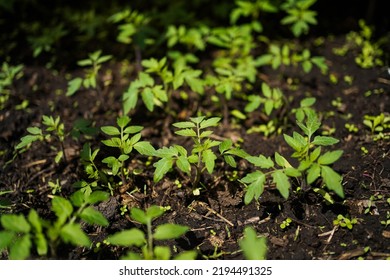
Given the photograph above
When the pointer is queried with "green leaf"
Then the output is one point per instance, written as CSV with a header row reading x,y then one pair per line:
x,y
208,158
34,130
34,220
282,183
20,250
110,130
26,140
97,196
268,106
315,154
131,237
186,255
73,234
62,208
293,143
281,161
123,121
307,102
184,125
183,164
93,217
169,231
145,148
330,157
261,161
162,167
162,252
41,244
230,160
154,212
253,247
73,86
324,140
209,122
139,215
148,98
186,132
253,104
130,98
6,238
256,185
313,173
332,180
133,129
16,223
225,145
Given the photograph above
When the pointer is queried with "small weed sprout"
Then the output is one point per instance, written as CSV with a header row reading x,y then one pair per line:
x,y
286,223
344,222
378,125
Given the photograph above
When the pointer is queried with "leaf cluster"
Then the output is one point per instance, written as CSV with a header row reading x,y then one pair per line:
x,y
137,238
26,235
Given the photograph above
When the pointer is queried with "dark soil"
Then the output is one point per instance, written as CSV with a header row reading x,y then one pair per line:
x,y
217,216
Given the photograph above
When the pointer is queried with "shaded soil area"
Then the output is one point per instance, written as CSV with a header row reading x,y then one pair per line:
x,y
217,216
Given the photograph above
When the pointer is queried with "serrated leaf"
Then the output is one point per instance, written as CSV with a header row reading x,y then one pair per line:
x,y
209,122
256,185
20,250
282,183
34,220
6,238
162,167
139,215
123,121
186,132
26,140
324,140
313,173
73,86
184,125
169,231
93,217
16,223
148,98
225,145
253,247
62,208
315,154
97,196
332,180
34,130
281,161
261,161
130,98
330,157
293,143
208,158
230,160
145,148
73,234
133,129
41,244
110,130
131,237
183,164
154,212
292,172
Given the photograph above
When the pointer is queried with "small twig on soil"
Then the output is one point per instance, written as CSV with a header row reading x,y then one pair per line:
x,y
330,233
213,212
37,162
352,254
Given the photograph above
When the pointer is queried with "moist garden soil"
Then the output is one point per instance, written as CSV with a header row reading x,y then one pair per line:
x,y
217,216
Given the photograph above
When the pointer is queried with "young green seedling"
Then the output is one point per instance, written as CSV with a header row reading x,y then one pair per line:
x,y
253,247
125,138
21,233
344,222
94,63
136,237
201,157
8,74
54,129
